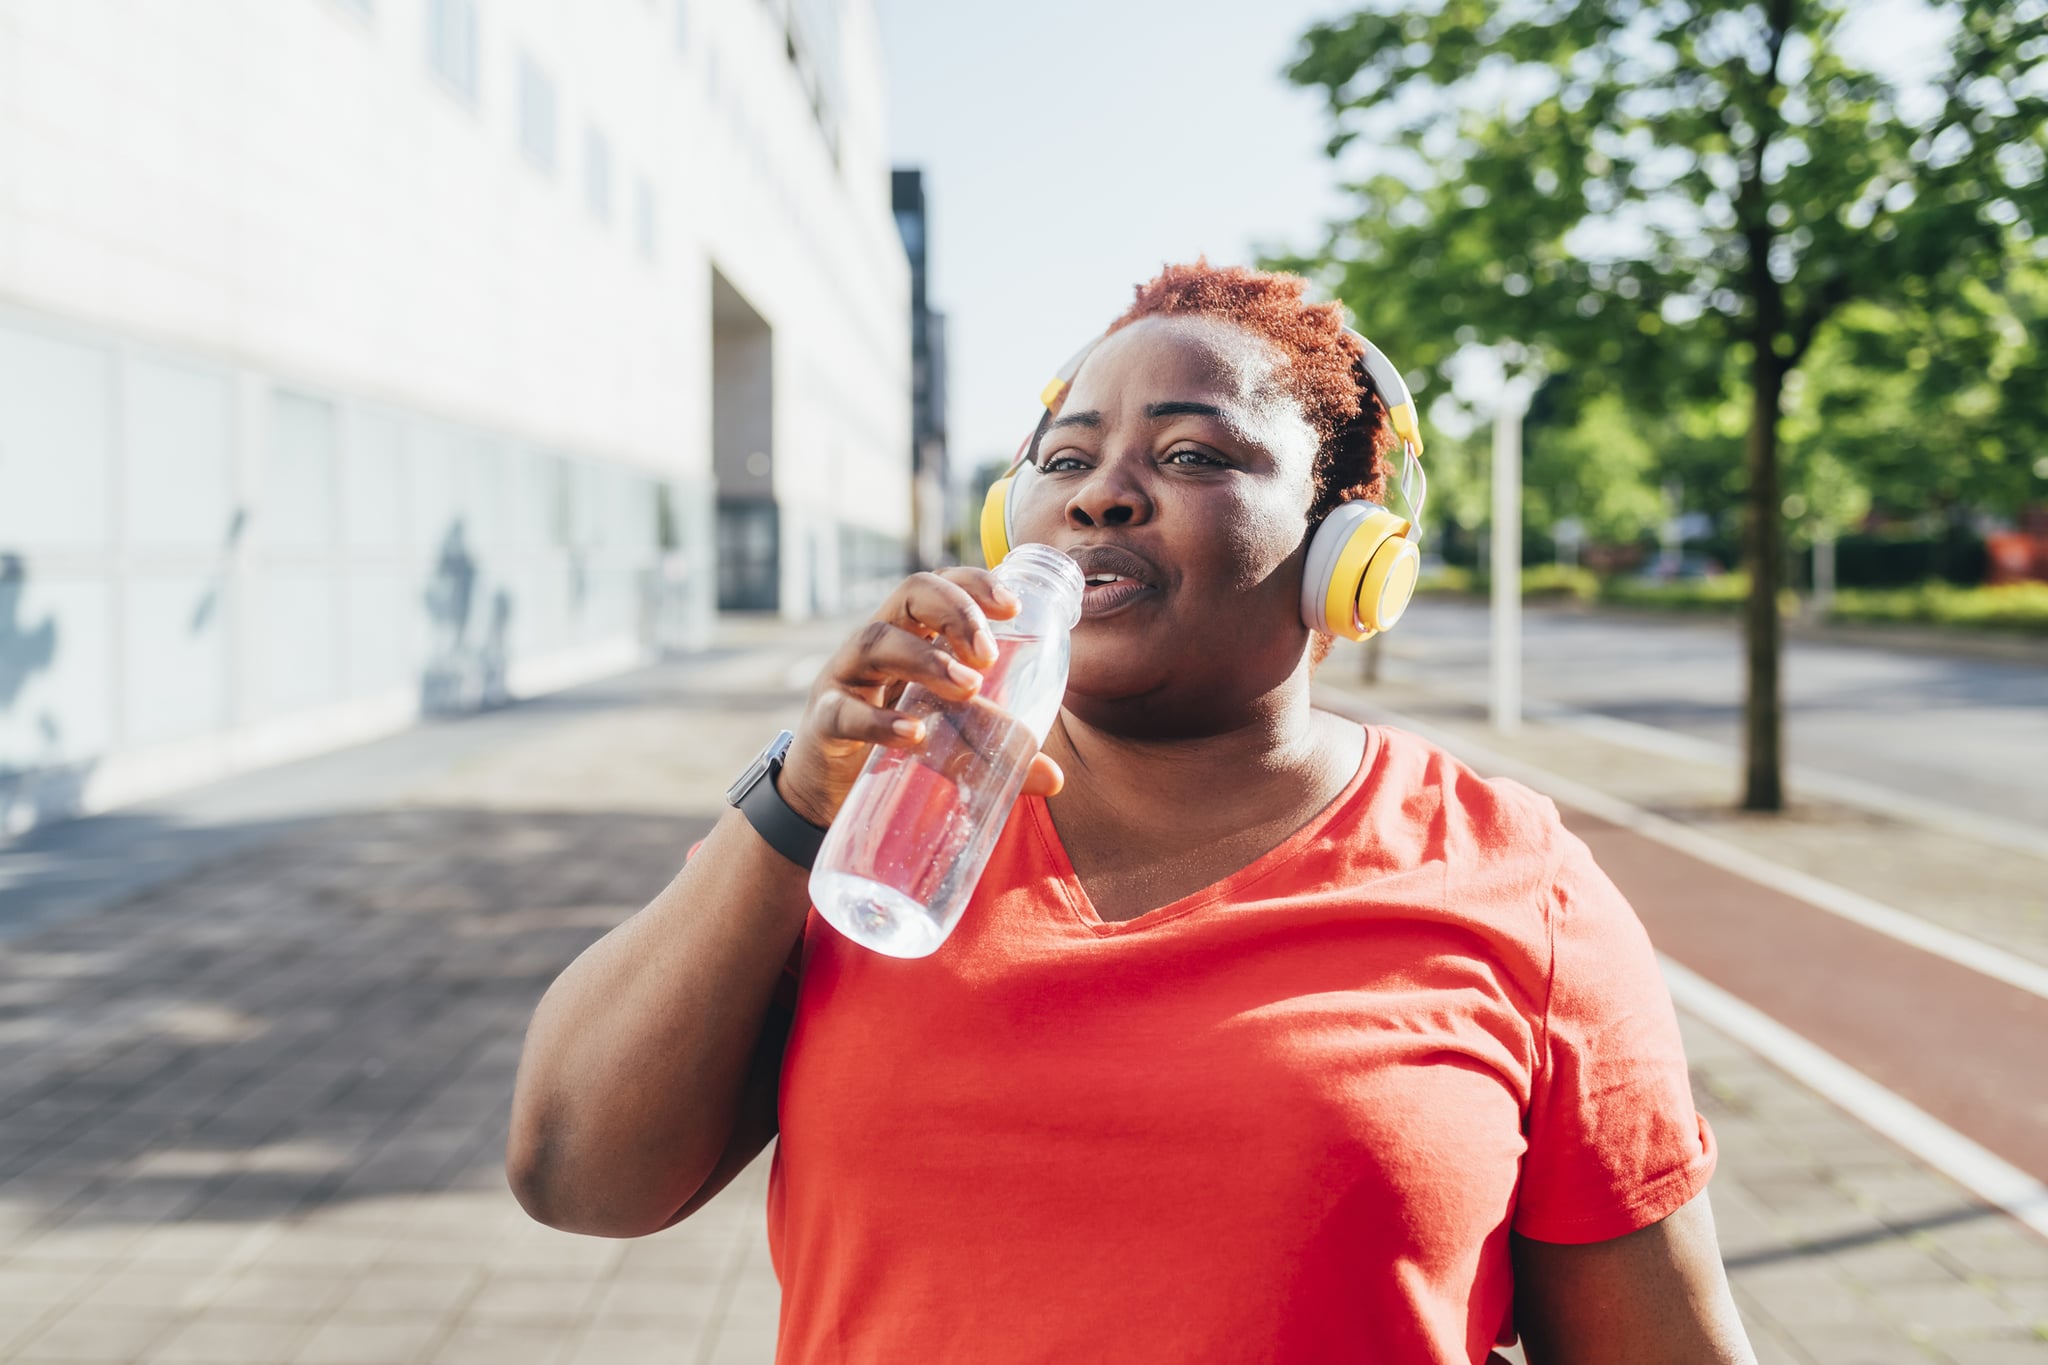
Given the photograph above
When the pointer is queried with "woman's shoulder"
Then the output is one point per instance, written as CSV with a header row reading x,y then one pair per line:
x,y
1419,784
1418,767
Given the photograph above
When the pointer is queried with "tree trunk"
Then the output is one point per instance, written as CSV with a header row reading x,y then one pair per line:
x,y
1763,787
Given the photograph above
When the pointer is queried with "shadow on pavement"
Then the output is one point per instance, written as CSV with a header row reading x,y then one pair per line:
x,y
1872,1236
328,1014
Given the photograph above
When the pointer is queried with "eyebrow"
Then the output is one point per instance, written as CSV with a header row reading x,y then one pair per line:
x,y
1153,412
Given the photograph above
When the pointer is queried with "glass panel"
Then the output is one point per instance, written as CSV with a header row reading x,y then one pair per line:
x,y
176,658
56,667
373,482
296,636
296,510
56,401
179,435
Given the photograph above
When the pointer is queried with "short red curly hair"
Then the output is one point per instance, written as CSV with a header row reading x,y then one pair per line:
x,y
1325,370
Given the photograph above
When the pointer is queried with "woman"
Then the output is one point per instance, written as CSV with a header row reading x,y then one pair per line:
x,y
1266,1037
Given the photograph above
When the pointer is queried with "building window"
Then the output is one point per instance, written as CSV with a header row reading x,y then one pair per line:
x,y
643,216
451,45
597,175
536,114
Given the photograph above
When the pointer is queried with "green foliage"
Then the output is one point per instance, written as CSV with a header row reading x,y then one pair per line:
x,y
2016,607
1724,592
1643,196
1448,578
1601,468
1669,200
1540,582
1560,582
1934,403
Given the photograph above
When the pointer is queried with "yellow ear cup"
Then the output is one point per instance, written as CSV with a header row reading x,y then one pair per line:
x,y
1389,583
1371,573
995,525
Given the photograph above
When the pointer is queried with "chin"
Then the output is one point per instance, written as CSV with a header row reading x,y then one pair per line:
x,y
1118,673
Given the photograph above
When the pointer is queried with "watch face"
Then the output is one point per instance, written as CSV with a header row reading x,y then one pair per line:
x,y
770,754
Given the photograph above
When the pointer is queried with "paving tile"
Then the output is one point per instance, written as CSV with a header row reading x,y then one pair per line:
x,y
1862,1345
295,1295
516,1299
440,1290
168,1291
491,1343
228,1341
629,1300
369,1341
1925,1309
1805,1292
743,1347
78,1246
44,1284
2028,1350
337,1253
1881,1263
208,1244
97,1334
641,1345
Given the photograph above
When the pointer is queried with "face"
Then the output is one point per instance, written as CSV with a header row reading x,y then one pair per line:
x,y
1179,472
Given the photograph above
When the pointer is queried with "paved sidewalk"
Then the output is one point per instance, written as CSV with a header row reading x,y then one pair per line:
x,y
255,1110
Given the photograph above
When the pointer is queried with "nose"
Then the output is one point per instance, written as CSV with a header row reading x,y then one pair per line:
x,y
1110,496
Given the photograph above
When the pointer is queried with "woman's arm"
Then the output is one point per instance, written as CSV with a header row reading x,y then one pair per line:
x,y
643,1053
1657,1296
648,1078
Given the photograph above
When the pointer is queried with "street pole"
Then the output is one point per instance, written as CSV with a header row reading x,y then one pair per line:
x,y
1823,574
1504,702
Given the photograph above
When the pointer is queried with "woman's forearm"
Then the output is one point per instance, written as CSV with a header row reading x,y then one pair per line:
x,y
636,1060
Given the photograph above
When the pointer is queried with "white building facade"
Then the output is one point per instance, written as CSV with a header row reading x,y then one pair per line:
x,y
360,358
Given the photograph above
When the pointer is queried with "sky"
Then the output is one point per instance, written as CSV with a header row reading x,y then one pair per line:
x,y
1070,149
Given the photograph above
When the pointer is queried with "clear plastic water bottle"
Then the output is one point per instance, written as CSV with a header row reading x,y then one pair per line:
x,y
907,848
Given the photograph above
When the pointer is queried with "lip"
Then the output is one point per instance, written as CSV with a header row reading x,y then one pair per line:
x,y
1140,578
1102,599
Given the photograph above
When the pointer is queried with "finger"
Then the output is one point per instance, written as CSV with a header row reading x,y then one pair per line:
x,y
839,716
955,608
880,656
1044,777
984,587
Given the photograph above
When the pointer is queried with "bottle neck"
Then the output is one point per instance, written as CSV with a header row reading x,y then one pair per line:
x,y
1050,584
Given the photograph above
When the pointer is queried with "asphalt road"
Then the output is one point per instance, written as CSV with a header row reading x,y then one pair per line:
x,y
1967,733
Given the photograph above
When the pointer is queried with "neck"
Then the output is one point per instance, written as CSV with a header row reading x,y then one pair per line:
x,y
1142,779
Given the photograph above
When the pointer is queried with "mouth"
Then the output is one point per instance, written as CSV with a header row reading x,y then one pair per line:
x,y
1103,596
1115,577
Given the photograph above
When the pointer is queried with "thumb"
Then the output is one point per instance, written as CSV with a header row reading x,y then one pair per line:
x,y
1044,777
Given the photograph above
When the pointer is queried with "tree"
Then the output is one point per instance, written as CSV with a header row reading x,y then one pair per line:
x,y
1673,200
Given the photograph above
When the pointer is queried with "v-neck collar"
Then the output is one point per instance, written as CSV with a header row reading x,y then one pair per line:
x,y
1076,895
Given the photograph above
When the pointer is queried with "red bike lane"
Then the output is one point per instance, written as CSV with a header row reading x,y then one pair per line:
x,y
1970,1050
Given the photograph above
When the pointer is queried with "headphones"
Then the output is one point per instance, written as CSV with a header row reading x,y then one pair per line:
x,y
1363,559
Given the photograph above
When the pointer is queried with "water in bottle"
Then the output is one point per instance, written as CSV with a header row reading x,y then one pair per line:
x,y
904,854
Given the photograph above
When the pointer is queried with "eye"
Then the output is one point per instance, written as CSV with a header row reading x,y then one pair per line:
x,y
1187,456
1059,464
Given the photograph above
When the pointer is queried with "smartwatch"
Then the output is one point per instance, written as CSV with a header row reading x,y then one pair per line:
x,y
754,794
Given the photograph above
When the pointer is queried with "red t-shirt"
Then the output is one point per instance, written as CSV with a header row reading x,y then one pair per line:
x,y
1291,1117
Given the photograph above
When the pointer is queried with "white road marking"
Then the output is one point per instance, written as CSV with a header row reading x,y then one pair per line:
x,y
1984,1173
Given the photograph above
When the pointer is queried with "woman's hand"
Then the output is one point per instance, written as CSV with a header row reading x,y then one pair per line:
x,y
907,641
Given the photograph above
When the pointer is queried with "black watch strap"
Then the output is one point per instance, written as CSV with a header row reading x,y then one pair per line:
x,y
755,794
